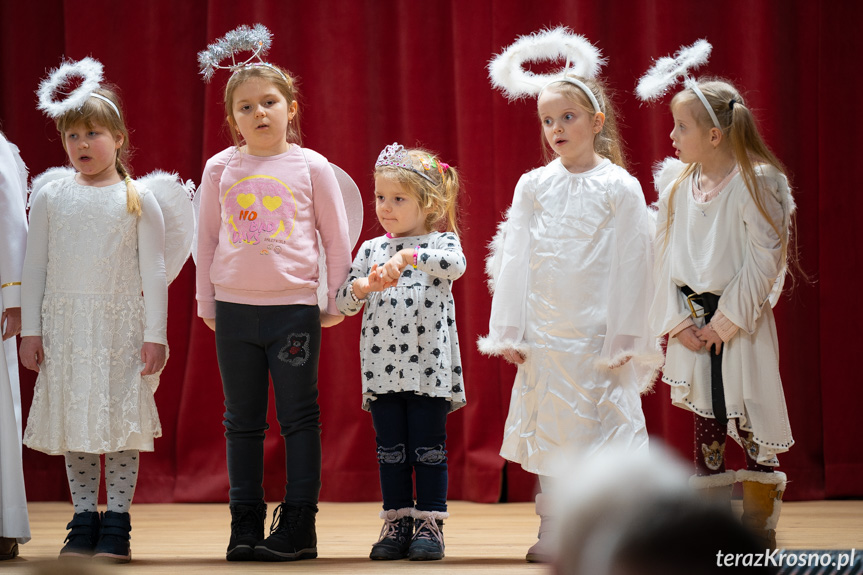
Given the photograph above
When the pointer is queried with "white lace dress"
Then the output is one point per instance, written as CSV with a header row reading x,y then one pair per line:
x,y
82,284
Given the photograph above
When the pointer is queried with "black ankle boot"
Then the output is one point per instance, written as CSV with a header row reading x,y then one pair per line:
x,y
294,537
83,535
395,535
113,545
247,530
427,544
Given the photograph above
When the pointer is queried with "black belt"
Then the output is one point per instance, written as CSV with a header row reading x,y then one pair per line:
x,y
709,303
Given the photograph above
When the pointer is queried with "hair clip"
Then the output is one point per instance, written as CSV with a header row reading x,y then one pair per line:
x,y
667,71
507,73
88,70
396,155
257,40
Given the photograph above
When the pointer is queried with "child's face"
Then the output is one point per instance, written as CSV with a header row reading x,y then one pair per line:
x,y
690,139
261,115
568,128
398,210
93,150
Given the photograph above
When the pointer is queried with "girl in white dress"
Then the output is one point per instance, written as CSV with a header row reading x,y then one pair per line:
x,y
96,242
411,363
722,236
570,269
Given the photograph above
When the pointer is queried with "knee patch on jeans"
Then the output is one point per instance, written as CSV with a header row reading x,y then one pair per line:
x,y
431,455
392,455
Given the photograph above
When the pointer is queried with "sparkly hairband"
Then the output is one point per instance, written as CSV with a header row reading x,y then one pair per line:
x,y
666,72
242,39
396,155
507,72
88,70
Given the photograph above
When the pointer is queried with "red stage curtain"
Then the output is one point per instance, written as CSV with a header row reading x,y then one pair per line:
x,y
376,72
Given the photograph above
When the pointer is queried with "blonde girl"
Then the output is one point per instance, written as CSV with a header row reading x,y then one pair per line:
x,y
411,364
263,202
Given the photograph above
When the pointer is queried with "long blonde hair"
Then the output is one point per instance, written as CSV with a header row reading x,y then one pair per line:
x,y
99,112
439,201
606,143
748,147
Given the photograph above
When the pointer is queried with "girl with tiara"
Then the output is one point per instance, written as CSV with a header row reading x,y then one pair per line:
x,y
98,240
411,363
722,237
14,522
570,273
263,201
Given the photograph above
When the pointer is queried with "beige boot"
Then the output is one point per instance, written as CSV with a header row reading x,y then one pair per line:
x,y
715,488
762,502
543,551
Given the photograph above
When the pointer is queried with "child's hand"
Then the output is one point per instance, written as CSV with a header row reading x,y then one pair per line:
x,y
689,338
211,322
153,355
329,320
12,321
392,270
513,356
374,282
710,338
31,352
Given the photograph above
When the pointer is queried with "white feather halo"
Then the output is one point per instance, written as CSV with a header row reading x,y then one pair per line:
x,y
88,70
256,39
507,73
667,71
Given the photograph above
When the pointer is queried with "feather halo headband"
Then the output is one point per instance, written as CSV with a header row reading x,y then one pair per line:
x,y
668,71
89,70
256,39
507,73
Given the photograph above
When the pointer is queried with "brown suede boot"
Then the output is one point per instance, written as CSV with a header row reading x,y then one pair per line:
x,y
762,502
715,488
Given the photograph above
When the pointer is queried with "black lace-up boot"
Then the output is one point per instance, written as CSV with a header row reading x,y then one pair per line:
x,y
247,530
427,544
292,535
395,535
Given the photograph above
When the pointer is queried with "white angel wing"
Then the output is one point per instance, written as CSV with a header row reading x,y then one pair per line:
x,y
174,197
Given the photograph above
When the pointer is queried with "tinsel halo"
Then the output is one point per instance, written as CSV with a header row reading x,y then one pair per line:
x,y
88,70
256,39
507,73
668,71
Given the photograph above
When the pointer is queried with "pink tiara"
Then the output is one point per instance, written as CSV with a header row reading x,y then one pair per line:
x,y
425,165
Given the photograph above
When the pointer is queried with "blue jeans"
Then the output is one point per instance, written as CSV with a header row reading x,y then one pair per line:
x,y
411,436
254,343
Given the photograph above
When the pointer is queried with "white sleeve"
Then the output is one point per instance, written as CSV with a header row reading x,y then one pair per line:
x,y
359,269
630,282
507,320
743,299
151,262
209,228
35,267
13,226
668,308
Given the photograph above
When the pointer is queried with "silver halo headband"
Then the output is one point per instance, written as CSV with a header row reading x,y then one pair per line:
x,y
693,84
241,39
584,88
110,103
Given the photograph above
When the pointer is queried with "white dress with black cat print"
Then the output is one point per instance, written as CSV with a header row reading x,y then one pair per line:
x,y
409,340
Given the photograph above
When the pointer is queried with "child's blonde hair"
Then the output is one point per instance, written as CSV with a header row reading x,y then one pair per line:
x,y
607,142
284,83
439,201
738,125
96,111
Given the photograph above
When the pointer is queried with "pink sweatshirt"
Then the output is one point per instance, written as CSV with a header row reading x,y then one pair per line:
x,y
256,230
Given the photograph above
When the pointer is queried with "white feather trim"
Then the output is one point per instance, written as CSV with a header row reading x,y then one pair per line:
x,y
647,366
507,73
666,172
718,480
46,177
494,259
174,197
492,347
90,73
668,71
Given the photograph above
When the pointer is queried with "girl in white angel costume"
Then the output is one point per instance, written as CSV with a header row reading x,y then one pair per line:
x,y
97,240
722,236
570,272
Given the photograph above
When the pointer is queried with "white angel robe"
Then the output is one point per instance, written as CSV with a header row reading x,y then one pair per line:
x,y
570,270
14,522
726,247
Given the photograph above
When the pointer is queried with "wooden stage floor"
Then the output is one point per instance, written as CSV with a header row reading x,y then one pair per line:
x,y
191,538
